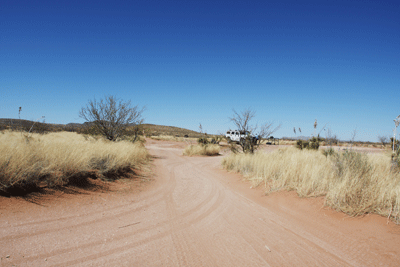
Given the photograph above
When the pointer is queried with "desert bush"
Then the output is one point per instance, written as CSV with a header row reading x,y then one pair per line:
x,y
203,140
233,148
56,158
242,121
396,142
383,139
199,149
216,139
351,182
328,152
111,117
300,144
313,143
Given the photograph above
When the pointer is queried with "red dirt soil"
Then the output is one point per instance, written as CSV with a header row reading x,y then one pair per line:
x,y
187,211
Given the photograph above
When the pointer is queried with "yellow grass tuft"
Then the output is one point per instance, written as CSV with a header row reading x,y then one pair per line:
x,y
351,182
167,138
208,150
173,138
55,158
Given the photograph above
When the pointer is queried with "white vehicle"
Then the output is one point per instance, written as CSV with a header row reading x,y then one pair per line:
x,y
238,136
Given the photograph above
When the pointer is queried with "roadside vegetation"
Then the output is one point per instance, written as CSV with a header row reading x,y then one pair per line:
x,y
249,141
169,138
207,145
30,160
200,149
111,117
351,182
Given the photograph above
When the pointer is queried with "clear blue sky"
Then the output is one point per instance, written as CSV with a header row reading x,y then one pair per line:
x,y
192,62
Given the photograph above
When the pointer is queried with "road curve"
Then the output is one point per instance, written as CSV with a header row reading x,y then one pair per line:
x,y
189,217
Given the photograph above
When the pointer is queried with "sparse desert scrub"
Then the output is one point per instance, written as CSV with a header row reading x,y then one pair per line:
x,y
199,149
173,138
351,182
168,138
59,158
287,142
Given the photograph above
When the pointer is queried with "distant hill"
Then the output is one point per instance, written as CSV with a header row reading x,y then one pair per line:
x,y
25,125
150,129
153,129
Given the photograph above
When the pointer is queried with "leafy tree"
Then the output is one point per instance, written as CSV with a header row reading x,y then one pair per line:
x,y
111,116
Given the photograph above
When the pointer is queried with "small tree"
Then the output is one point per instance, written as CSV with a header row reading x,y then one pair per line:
x,y
110,116
383,139
243,123
353,137
203,140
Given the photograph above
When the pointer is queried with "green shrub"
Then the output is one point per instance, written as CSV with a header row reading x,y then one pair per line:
x,y
300,144
203,140
313,143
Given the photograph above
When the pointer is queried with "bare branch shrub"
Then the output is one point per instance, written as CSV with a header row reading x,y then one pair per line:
x,y
242,121
331,139
110,116
353,137
383,139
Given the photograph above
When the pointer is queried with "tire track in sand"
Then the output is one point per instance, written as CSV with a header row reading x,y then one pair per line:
x,y
177,222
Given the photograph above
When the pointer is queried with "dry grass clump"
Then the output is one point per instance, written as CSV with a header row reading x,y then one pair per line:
x,y
168,138
199,149
173,138
59,158
287,142
351,182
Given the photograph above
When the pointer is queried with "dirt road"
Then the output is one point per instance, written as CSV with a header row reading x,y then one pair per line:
x,y
192,214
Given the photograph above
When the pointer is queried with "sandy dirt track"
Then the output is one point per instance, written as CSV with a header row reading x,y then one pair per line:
x,y
192,214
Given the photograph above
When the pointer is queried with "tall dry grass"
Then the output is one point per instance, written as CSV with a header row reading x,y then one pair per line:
x,y
56,158
199,149
351,182
168,138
